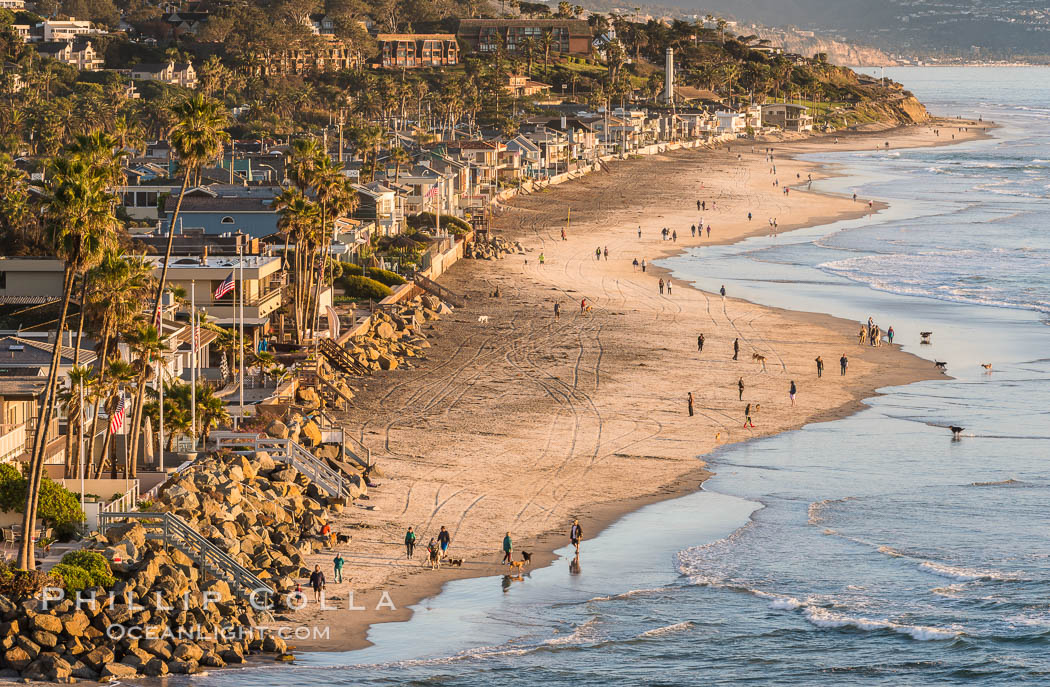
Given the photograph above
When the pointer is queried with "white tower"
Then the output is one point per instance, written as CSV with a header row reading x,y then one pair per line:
x,y
669,77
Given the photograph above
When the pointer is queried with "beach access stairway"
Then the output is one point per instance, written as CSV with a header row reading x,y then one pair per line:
x,y
290,453
331,394
338,357
435,289
177,533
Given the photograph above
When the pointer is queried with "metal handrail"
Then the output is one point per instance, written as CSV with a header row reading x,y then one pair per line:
x,y
177,532
288,451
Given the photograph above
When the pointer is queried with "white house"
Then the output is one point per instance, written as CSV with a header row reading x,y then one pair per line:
x,y
730,122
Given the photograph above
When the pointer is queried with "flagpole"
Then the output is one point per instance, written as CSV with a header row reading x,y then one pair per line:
x,y
82,445
240,254
160,411
193,362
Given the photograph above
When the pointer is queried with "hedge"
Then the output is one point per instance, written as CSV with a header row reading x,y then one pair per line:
x,y
385,276
425,220
363,287
94,565
58,505
74,579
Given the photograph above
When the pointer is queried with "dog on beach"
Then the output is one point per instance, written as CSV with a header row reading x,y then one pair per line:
x,y
454,562
342,538
925,337
484,319
526,557
940,365
956,432
987,366
517,566
759,358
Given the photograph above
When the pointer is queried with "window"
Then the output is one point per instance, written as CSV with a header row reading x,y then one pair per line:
x,y
3,280
226,220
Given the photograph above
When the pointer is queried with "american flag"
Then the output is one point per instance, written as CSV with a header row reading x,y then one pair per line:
x,y
196,332
117,421
225,287
432,192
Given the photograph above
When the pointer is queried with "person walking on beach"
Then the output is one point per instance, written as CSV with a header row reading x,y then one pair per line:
x,y
740,388
792,390
668,287
575,534
433,558
317,582
722,291
563,235
634,264
700,343
337,569
557,311
643,265
508,549
639,231
661,286
597,253
606,252
698,205
708,231
889,335
674,236
410,543
444,539
747,417
820,366
689,400
843,364
583,305
541,258
749,217
736,348
692,229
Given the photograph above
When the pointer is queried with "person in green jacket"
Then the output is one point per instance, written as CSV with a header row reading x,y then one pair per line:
x,y
410,542
337,564
508,548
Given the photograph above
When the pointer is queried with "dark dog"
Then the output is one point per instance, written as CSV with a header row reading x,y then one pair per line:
x,y
526,558
454,562
942,366
342,538
925,337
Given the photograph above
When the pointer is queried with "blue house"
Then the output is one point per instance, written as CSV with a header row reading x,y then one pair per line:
x,y
219,209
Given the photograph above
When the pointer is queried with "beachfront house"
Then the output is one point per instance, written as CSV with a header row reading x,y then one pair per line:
x,y
787,116
222,209
730,122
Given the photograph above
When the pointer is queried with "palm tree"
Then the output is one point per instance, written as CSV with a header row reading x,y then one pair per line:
x,y
197,137
146,345
399,156
528,46
80,377
211,411
297,217
120,283
119,374
78,217
547,42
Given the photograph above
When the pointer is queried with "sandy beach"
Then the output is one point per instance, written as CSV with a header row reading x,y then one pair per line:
x,y
524,422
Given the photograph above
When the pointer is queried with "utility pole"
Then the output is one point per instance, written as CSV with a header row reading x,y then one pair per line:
x,y
341,137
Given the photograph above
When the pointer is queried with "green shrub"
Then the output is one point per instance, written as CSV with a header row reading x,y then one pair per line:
x,y
425,220
94,565
363,287
58,505
385,276
349,268
74,579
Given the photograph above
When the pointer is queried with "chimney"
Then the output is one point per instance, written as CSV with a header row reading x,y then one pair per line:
x,y
204,255
669,77
564,123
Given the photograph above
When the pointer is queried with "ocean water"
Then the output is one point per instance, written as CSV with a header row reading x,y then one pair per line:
x,y
872,550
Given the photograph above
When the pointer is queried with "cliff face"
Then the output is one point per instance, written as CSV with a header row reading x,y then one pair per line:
x,y
807,44
906,110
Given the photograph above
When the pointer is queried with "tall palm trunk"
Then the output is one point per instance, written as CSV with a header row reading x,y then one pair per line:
x,y
131,468
71,456
26,553
101,385
171,240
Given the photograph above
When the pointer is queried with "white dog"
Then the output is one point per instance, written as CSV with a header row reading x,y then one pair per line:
x,y
484,319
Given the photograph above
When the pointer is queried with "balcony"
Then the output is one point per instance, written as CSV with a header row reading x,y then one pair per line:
x,y
254,307
12,441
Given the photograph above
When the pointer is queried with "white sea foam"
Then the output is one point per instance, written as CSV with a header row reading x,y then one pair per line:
x,y
822,617
626,595
580,635
668,629
968,574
